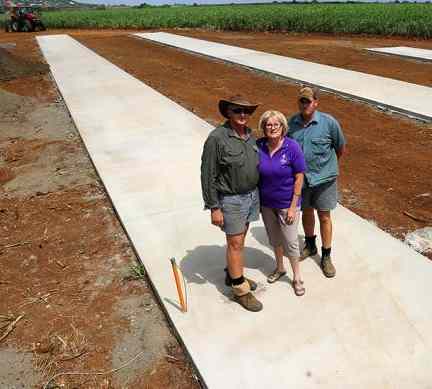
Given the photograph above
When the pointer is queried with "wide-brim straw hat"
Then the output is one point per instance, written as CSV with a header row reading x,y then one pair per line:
x,y
237,100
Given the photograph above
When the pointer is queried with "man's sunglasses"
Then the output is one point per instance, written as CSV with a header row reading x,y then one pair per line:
x,y
239,110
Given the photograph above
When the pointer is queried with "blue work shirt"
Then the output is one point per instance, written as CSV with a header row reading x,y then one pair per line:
x,y
319,140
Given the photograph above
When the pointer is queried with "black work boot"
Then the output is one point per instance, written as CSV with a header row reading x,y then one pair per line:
x,y
228,281
310,248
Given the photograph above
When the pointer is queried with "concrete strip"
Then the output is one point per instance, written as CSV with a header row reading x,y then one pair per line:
x,y
404,51
367,328
411,99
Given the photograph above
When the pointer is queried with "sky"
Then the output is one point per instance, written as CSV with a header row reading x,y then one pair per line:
x,y
159,2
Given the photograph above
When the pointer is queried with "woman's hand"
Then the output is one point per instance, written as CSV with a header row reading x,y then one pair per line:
x,y
217,218
291,215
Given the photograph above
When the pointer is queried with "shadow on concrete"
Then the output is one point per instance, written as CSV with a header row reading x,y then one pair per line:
x,y
206,263
317,259
175,304
260,234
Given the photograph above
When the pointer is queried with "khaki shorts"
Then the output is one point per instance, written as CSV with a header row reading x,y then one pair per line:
x,y
279,232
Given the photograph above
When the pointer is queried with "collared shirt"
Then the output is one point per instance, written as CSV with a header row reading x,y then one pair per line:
x,y
277,173
319,140
229,165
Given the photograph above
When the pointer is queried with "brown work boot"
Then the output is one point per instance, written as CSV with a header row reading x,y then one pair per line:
x,y
228,281
243,295
327,267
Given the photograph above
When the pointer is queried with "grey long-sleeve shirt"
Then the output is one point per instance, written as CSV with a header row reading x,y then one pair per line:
x,y
229,165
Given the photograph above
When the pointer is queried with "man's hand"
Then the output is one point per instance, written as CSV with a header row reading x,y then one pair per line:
x,y
217,218
340,152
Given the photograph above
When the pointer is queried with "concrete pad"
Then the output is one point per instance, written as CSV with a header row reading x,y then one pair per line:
x,y
406,98
367,328
404,51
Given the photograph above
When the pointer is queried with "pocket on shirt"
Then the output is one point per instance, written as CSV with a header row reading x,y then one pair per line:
x,y
321,146
322,150
233,158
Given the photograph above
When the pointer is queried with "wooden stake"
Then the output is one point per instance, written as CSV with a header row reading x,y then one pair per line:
x,y
178,284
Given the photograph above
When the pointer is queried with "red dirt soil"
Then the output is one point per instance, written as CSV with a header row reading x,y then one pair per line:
x,y
64,258
387,168
386,172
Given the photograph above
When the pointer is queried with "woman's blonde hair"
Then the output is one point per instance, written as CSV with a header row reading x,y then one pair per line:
x,y
272,114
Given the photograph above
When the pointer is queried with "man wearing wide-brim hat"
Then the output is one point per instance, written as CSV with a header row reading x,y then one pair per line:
x,y
229,179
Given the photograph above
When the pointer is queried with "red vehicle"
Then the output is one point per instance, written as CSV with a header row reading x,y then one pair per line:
x,y
23,18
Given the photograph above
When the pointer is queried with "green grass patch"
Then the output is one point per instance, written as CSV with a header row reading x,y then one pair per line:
x,y
136,272
413,20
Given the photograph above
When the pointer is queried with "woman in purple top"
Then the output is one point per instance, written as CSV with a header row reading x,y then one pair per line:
x,y
281,169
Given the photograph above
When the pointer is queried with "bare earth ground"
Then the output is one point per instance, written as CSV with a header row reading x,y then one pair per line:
x,y
64,258
387,170
68,270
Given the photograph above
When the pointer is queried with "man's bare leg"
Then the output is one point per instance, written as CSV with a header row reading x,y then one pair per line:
x,y
228,277
234,254
308,219
235,263
326,228
326,237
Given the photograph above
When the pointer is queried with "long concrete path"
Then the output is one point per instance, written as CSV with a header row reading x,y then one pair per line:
x,y
410,99
370,327
405,51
